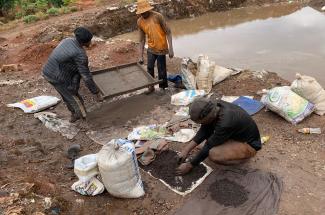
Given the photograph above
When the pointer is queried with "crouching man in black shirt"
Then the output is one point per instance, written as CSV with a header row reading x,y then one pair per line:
x,y
231,135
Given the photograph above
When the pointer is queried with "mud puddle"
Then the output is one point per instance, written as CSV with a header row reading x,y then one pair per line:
x,y
119,112
280,38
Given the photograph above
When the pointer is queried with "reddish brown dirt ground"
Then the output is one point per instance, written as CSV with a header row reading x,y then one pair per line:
x,y
32,158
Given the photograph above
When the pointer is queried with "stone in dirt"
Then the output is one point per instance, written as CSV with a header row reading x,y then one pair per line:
x,y
163,167
228,193
11,68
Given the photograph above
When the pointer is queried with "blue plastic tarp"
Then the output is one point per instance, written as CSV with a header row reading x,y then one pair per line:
x,y
251,106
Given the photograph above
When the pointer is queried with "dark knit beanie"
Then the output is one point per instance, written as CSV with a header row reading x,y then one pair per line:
x,y
200,108
83,35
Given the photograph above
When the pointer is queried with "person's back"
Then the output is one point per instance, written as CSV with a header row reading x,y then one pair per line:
x,y
238,121
67,64
61,65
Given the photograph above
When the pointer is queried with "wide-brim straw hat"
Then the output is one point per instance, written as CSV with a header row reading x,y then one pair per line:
x,y
143,6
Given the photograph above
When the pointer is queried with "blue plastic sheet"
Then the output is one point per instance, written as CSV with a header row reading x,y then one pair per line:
x,y
251,106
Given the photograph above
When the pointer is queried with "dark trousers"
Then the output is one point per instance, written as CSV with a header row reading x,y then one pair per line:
x,y
161,65
72,99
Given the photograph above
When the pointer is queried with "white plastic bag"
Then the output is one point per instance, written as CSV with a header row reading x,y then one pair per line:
x,y
186,97
85,167
36,104
148,132
92,187
183,111
231,99
308,88
287,104
51,121
119,169
221,73
188,78
182,136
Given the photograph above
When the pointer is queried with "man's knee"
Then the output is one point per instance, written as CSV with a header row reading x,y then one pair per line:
x,y
216,156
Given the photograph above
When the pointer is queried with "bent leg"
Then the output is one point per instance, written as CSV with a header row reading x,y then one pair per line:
x,y
72,101
231,152
151,63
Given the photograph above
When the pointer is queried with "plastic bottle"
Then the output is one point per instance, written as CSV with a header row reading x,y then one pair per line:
x,y
310,130
264,139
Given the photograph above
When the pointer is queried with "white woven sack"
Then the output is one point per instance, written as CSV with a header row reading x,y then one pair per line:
x,y
36,104
308,88
119,169
287,104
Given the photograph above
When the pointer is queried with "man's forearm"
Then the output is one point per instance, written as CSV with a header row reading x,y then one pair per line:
x,y
141,48
170,41
189,147
201,156
91,86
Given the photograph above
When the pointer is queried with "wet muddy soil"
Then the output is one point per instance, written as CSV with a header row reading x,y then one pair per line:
x,y
119,112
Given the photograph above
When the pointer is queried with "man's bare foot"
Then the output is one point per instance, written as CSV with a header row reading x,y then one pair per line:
x,y
161,92
150,90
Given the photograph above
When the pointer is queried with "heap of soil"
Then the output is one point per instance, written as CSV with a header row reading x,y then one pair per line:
x,y
163,167
37,53
228,193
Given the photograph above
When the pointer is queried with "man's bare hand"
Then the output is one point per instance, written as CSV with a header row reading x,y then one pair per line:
x,y
99,98
181,157
171,53
184,168
140,60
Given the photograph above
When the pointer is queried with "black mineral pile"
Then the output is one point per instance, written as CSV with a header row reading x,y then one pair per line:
x,y
228,193
163,167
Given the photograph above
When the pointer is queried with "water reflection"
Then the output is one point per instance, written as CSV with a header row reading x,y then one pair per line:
x,y
285,39
287,44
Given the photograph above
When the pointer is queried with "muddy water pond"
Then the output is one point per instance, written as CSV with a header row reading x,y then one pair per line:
x,y
280,38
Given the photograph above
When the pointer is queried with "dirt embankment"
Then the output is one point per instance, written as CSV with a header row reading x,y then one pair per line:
x,y
111,22
317,4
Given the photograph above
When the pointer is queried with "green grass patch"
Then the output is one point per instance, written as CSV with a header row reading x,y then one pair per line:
x,y
53,11
30,18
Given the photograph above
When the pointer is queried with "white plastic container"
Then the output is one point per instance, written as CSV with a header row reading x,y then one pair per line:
x,y
85,167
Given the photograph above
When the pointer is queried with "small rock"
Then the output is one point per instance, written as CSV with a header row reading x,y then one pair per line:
x,y
11,68
25,188
55,211
80,201
3,156
47,202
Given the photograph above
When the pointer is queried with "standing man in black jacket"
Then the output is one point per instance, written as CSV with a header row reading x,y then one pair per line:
x,y
231,135
67,64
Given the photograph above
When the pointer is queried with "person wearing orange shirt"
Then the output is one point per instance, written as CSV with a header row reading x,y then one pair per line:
x,y
153,26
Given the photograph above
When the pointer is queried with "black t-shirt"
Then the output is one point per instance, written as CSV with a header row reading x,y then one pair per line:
x,y
232,123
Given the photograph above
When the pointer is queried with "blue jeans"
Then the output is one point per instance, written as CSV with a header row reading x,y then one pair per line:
x,y
161,65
